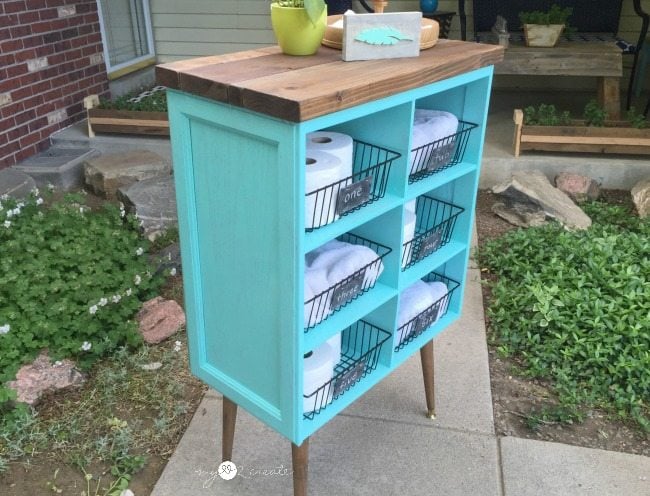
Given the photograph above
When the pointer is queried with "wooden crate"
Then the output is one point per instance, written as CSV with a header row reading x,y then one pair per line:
x,y
124,121
614,137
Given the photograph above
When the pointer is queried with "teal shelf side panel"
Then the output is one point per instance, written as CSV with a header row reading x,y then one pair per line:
x,y
239,210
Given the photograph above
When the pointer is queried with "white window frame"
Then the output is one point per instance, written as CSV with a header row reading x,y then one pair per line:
x,y
149,56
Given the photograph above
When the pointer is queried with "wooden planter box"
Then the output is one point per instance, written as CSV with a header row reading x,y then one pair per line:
x,y
542,35
124,121
614,137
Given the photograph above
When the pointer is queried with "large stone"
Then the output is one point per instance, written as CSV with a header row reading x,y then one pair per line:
x,y
579,188
42,376
154,202
15,183
519,214
641,197
106,174
533,188
168,259
159,318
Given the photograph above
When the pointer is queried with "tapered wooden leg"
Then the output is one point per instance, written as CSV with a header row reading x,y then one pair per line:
x,y
426,356
300,460
229,419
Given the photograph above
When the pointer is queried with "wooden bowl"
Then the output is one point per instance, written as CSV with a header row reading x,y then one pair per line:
x,y
334,34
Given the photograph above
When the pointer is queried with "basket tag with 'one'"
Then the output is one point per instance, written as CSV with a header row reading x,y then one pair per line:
x,y
350,197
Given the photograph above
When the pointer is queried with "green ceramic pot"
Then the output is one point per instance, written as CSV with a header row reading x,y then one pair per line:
x,y
294,31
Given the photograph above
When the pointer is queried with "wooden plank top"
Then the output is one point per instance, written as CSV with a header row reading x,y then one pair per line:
x,y
301,88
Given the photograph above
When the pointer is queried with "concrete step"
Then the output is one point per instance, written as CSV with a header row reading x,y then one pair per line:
x,y
59,166
76,136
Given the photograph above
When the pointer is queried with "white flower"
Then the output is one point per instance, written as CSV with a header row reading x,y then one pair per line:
x,y
122,211
177,346
50,187
139,251
58,363
128,292
116,298
39,201
20,205
127,492
10,213
93,310
86,346
7,224
137,279
81,210
103,302
16,210
172,271
34,191
4,197
5,329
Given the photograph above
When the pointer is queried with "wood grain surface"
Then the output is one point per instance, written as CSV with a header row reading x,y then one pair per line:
x,y
301,88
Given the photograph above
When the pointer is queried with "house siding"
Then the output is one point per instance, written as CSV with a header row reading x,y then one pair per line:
x,y
50,59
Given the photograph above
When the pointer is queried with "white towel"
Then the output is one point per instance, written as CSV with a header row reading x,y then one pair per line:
x,y
413,301
315,283
352,259
429,126
439,290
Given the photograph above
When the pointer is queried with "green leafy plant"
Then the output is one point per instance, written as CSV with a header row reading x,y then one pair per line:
x,y
546,115
155,102
594,114
71,281
574,306
314,8
555,15
637,120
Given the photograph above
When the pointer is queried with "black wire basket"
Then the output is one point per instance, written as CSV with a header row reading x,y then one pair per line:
x,y
360,347
421,322
324,304
366,185
440,154
435,223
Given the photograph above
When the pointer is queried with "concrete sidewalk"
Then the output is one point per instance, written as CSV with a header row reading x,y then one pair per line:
x,y
383,445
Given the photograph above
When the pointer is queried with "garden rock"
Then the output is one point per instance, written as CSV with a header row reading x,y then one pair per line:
x,y
154,203
169,258
15,183
641,197
579,188
520,214
534,189
159,319
105,174
41,376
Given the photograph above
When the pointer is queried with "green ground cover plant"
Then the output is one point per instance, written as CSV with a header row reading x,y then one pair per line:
x,y
155,102
71,281
574,306
593,115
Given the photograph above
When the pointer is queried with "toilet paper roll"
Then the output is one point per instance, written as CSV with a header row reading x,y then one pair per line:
x,y
318,370
429,126
335,343
411,205
409,234
322,169
338,144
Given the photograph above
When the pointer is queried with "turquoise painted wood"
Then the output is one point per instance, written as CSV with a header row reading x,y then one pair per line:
x,y
240,189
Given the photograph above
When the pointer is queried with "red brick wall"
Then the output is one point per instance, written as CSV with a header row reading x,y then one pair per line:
x,y
50,59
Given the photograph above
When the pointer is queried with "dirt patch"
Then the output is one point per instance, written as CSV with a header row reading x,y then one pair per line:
x,y
518,400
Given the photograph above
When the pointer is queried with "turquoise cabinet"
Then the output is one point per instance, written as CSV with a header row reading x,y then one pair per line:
x,y
240,182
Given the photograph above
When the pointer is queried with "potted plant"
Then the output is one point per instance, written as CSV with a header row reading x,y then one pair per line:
x,y
543,128
299,25
543,29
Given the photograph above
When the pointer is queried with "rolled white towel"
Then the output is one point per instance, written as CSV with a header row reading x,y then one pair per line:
x,y
315,283
413,301
408,235
353,259
429,126
314,258
438,291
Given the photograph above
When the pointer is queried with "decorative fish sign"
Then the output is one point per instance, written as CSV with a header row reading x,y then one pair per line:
x,y
382,36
